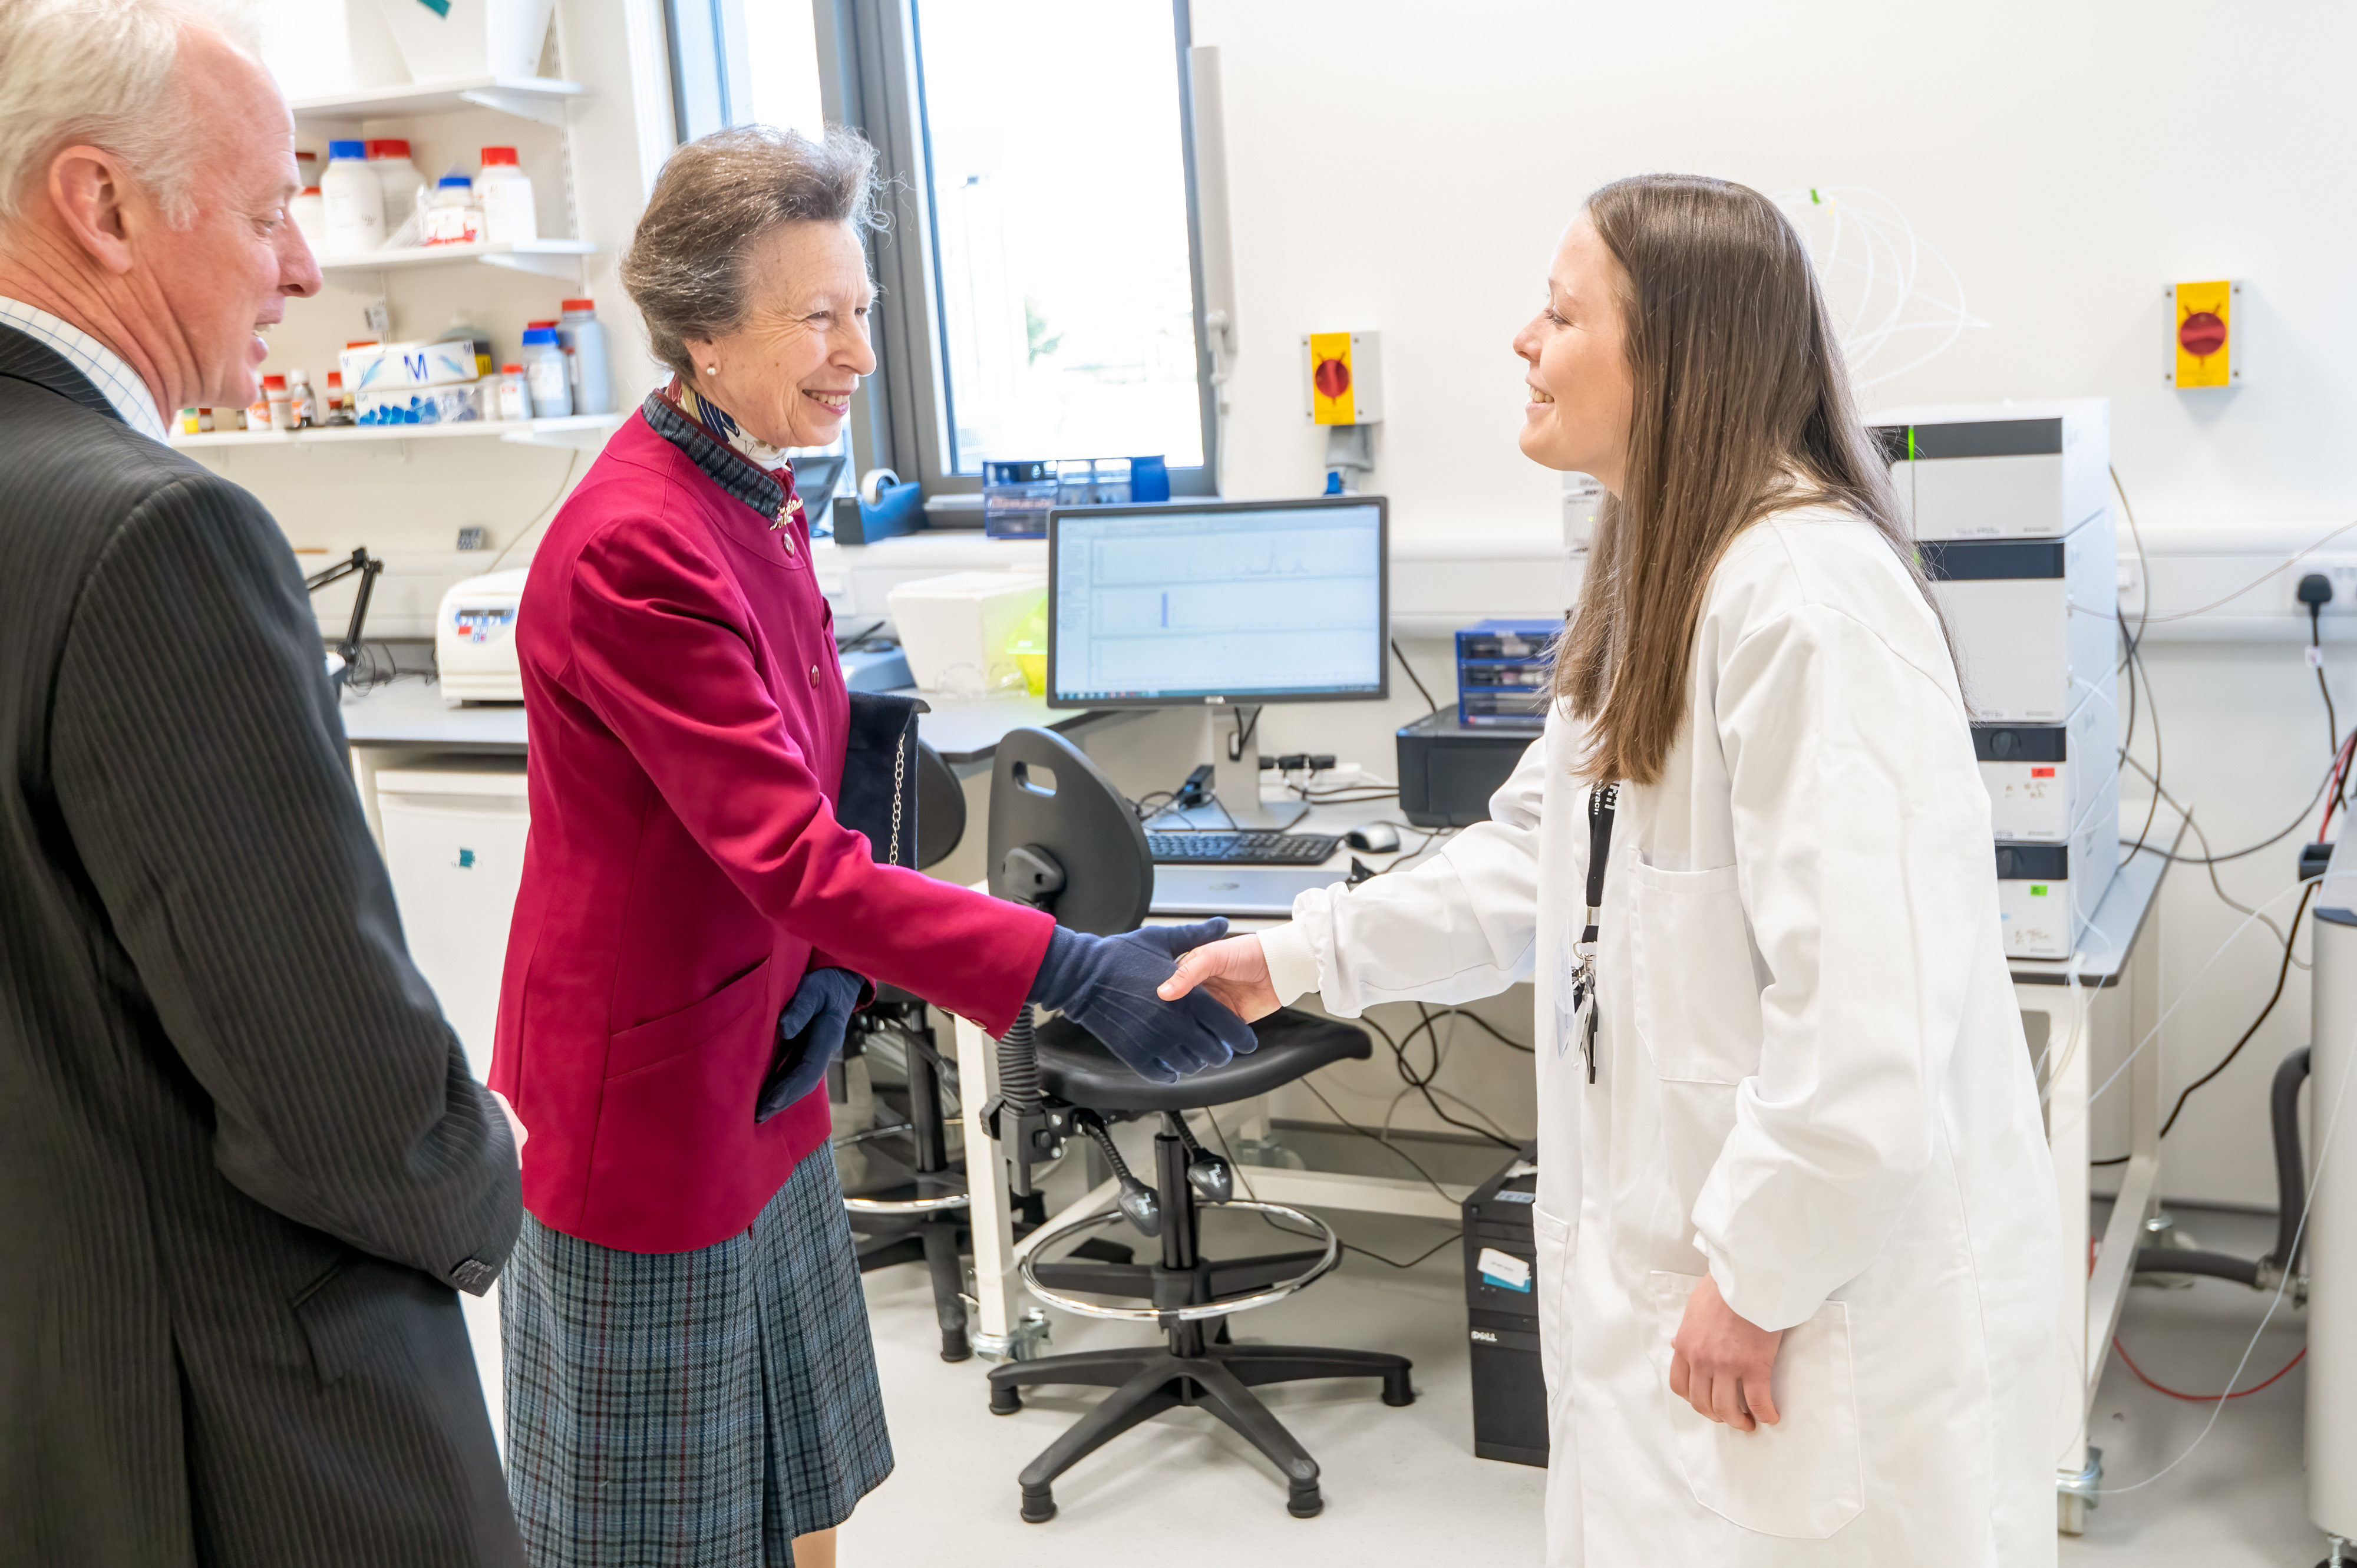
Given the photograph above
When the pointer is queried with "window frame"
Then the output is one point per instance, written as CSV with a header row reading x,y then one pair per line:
x,y
870,71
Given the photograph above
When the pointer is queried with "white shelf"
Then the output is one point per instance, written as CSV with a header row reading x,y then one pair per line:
x,y
549,258
576,430
540,99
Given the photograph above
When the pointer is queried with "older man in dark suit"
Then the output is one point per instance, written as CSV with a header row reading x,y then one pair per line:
x,y
242,1166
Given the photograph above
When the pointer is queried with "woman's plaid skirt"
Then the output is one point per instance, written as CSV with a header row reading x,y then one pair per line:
x,y
692,1409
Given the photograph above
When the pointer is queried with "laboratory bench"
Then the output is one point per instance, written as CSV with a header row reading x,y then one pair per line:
x,y
407,719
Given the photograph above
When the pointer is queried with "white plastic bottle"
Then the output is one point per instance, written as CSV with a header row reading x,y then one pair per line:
x,y
544,368
308,210
504,191
452,218
397,178
355,200
583,338
515,393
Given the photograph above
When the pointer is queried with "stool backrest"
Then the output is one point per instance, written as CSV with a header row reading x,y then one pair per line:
x,y
1048,799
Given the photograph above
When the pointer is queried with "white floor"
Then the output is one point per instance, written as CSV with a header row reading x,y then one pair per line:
x,y
1403,1486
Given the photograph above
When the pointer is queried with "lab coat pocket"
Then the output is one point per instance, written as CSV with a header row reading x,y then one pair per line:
x,y
1803,1478
1552,1283
1692,992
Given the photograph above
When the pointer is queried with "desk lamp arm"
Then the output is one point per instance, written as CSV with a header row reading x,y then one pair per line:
x,y
368,568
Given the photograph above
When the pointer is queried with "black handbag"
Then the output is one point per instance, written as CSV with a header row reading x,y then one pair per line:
x,y
877,798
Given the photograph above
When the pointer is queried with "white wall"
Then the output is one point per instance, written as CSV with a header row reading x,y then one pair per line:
x,y
1406,167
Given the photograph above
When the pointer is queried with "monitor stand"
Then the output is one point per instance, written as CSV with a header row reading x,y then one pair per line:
x,y
1237,782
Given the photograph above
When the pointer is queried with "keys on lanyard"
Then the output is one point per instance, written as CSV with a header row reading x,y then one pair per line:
x,y
1601,804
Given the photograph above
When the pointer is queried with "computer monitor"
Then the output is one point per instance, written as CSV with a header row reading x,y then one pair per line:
x,y
1238,603
1224,604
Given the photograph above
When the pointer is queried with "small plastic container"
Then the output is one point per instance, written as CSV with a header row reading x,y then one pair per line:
x,y
192,421
544,370
1149,480
583,338
452,217
339,411
277,403
504,192
388,158
298,392
463,330
308,212
354,200
307,168
515,394
1016,498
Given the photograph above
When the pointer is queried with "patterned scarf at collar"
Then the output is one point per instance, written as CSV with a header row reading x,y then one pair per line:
x,y
749,470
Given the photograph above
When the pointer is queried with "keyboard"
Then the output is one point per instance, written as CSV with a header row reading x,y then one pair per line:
x,y
1219,847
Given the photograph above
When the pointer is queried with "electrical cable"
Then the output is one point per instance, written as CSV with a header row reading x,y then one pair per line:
x,y
1244,732
2323,1152
2170,1012
1401,1155
2282,972
2194,826
1423,1084
2292,560
2144,611
2322,785
2136,670
570,464
1455,1235
1431,706
2234,1392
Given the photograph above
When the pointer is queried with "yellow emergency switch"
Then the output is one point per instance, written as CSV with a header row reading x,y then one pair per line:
x,y
2202,348
1342,378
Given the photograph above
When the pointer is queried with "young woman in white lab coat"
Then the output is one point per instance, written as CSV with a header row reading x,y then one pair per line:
x,y
1799,1269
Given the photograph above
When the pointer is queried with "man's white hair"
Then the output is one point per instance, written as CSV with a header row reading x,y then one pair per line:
x,y
99,73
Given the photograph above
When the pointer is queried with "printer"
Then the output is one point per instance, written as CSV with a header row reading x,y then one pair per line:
x,y
475,645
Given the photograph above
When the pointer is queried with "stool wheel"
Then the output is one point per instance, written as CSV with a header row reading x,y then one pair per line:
x,y
1396,1389
1039,1505
1303,1502
1005,1399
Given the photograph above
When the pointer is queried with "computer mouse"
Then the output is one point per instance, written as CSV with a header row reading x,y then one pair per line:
x,y
1377,838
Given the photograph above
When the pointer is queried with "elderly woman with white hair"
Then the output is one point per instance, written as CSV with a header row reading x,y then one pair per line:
x,y
688,1361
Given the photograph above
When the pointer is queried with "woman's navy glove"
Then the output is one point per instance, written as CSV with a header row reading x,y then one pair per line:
x,y
1106,985
810,1036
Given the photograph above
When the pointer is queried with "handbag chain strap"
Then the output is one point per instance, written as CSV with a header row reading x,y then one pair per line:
x,y
900,784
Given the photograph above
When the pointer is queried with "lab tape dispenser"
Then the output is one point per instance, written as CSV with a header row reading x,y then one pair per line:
x,y
2043,779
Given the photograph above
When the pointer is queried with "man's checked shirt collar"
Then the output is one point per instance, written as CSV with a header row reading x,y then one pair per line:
x,y
115,381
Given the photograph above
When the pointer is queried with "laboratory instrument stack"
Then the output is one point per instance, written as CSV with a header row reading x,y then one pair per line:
x,y
2010,506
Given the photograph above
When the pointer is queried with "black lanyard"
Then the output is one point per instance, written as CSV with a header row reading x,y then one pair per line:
x,y
1602,802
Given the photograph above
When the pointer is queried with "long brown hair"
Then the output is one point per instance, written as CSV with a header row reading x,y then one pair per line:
x,y
1742,408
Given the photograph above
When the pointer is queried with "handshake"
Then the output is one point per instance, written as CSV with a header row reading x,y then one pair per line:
x,y
1167,1000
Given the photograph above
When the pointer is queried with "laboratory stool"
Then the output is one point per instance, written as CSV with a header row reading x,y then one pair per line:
x,y
923,1218
1191,1296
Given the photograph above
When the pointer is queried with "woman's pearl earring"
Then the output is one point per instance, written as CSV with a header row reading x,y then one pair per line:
x,y
711,369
